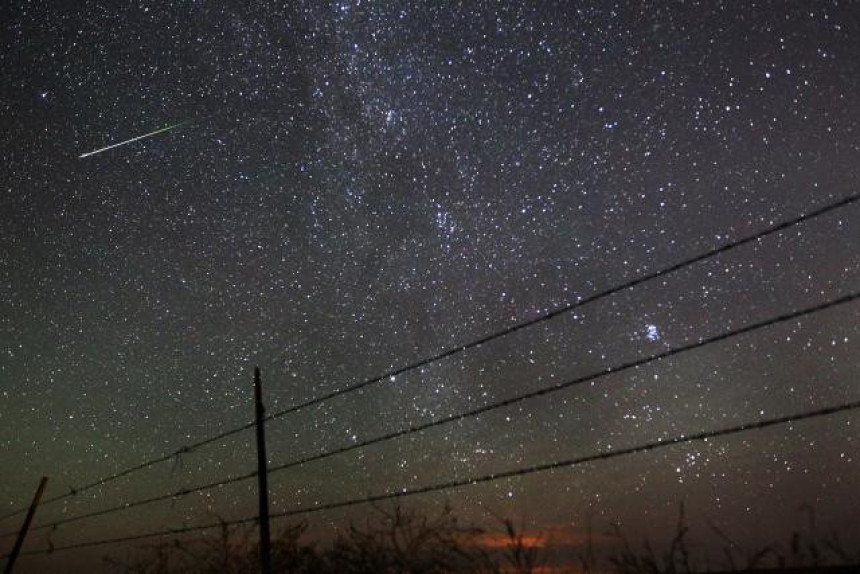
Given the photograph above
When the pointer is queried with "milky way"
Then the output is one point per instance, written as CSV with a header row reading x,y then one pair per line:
x,y
362,185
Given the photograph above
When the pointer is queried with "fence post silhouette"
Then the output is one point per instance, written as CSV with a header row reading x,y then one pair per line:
x,y
23,534
262,477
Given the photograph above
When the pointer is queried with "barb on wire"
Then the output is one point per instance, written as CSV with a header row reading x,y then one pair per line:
x,y
522,471
50,535
480,410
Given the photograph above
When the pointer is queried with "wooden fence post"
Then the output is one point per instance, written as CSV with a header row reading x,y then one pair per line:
x,y
23,533
262,477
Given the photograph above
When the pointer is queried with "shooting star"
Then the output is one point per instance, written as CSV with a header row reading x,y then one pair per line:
x,y
150,134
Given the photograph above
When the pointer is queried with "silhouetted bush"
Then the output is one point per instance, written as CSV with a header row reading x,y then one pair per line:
x,y
399,541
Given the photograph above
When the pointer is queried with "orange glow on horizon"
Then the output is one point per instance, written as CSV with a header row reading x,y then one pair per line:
x,y
502,540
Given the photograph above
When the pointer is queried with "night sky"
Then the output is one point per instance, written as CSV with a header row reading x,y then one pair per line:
x,y
348,187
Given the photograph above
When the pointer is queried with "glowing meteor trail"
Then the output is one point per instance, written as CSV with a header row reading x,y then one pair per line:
x,y
131,140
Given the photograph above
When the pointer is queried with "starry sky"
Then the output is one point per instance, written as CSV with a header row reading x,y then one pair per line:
x,y
355,185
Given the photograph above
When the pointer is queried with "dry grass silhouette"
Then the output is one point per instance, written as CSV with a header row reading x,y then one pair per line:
x,y
401,541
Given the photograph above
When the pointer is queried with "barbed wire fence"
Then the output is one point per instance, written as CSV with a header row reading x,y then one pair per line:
x,y
521,471
417,428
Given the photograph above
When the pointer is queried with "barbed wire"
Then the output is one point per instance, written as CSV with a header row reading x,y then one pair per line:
x,y
491,477
471,413
133,469
458,349
392,374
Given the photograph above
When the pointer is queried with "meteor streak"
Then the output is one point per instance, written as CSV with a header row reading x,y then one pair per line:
x,y
131,140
